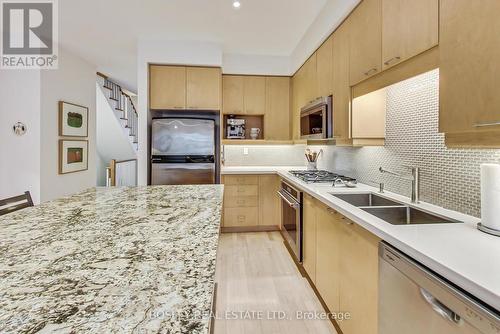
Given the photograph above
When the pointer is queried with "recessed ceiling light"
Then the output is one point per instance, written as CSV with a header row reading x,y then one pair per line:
x,y
236,4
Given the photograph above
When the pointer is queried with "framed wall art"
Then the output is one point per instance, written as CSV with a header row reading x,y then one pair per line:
x,y
73,120
73,155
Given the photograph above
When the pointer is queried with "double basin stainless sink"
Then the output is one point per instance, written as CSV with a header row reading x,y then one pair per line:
x,y
393,212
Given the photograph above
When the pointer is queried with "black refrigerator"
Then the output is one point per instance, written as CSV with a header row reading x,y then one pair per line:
x,y
183,151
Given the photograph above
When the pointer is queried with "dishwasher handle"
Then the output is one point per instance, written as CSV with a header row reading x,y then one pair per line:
x,y
440,308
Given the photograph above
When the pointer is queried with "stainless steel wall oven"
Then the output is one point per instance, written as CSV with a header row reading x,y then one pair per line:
x,y
291,216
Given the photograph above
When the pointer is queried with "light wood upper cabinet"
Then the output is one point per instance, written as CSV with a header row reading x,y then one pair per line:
x,y
341,86
470,68
167,86
244,94
277,114
309,243
203,88
180,87
232,94
310,80
254,95
328,256
365,40
324,65
359,278
409,27
369,115
298,101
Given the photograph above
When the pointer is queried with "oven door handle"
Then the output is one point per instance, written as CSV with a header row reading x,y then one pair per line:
x,y
292,204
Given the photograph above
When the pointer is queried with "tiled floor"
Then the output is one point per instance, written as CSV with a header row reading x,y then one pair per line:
x,y
256,277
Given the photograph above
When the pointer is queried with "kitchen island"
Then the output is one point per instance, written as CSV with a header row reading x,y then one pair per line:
x,y
112,260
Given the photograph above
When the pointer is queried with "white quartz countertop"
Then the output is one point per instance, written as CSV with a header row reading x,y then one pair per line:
x,y
459,252
257,169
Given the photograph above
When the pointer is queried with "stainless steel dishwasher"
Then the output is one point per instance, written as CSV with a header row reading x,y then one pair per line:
x,y
414,300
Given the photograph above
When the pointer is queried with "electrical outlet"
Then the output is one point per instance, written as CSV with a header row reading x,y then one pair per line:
x,y
245,150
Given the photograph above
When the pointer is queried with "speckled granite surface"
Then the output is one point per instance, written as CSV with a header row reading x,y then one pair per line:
x,y
122,260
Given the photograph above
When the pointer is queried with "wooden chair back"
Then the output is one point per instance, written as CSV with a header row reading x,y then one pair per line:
x,y
18,203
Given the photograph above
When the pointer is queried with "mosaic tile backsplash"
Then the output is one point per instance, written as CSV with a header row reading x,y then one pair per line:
x,y
450,178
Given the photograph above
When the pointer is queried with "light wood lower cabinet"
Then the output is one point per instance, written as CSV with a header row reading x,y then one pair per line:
x,y
251,202
309,236
358,290
241,216
345,268
328,256
269,202
242,190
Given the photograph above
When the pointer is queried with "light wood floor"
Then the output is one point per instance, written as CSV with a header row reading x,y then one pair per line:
x,y
256,273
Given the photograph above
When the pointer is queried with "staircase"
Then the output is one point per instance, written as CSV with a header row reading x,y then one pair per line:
x,y
123,107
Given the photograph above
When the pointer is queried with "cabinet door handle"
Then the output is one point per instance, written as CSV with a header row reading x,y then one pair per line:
x,y
393,59
482,125
371,71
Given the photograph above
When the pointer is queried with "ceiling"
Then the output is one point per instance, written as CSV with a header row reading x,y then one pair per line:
x,y
106,32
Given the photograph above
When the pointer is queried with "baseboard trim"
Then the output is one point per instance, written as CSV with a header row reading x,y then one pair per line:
x,y
242,229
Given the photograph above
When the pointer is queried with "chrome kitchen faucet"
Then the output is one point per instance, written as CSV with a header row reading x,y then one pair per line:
x,y
414,178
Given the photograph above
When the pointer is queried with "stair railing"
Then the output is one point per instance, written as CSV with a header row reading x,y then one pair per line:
x,y
124,105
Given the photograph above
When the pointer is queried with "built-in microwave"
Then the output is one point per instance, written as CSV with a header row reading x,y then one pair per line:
x,y
316,119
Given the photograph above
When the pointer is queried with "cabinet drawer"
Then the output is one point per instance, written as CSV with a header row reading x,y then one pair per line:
x,y
241,179
241,190
241,201
241,216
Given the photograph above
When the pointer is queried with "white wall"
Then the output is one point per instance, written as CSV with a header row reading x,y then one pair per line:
x,y
165,52
73,82
255,64
101,165
20,155
330,17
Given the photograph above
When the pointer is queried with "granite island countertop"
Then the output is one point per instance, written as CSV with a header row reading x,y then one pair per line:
x,y
114,260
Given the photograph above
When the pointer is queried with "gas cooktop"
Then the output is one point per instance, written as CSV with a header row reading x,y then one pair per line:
x,y
317,176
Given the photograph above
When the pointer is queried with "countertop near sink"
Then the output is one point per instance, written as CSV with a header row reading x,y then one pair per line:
x,y
459,252
112,260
